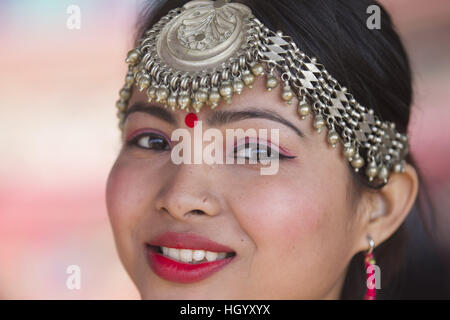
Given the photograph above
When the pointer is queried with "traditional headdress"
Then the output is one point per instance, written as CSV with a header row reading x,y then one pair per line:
x,y
207,51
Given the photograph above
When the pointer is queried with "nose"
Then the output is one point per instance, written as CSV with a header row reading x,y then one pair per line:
x,y
188,191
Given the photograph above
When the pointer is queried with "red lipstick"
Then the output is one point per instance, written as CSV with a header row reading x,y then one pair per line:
x,y
184,272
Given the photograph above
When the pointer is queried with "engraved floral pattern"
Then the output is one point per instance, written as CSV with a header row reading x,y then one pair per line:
x,y
206,27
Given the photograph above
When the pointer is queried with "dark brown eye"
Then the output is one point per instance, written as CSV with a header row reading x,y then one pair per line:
x,y
255,151
258,152
151,141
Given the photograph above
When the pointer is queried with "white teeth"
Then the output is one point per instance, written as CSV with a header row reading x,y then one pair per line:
x,y
192,256
174,253
186,255
198,255
221,255
211,256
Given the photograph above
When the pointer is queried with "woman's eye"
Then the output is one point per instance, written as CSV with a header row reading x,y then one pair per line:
x,y
256,152
151,141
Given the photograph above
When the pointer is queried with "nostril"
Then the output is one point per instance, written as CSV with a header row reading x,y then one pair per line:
x,y
164,210
199,212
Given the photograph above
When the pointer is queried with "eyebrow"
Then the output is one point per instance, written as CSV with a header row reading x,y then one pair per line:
x,y
153,110
217,118
220,117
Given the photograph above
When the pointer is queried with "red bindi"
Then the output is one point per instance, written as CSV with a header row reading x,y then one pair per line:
x,y
191,119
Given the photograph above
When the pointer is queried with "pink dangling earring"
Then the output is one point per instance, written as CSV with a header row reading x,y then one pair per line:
x,y
368,261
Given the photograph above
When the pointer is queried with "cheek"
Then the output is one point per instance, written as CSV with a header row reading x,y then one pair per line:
x,y
301,225
117,202
127,191
124,198
286,217
118,193
285,214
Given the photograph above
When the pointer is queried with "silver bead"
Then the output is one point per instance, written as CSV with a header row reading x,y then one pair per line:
x,y
120,115
197,106
125,94
238,85
248,78
184,100
349,152
258,69
151,93
303,109
162,94
137,70
399,167
214,98
121,105
271,83
318,123
133,57
333,138
201,95
226,91
287,94
172,101
357,162
383,174
129,79
144,82
372,170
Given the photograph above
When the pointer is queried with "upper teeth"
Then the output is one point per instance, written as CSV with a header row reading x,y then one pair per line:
x,y
188,255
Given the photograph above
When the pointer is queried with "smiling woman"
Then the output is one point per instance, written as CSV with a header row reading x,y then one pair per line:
x,y
345,181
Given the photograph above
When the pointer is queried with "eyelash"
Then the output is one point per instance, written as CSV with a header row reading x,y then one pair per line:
x,y
134,141
263,147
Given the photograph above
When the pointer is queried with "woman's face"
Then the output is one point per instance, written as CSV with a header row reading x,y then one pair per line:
x,y
292,233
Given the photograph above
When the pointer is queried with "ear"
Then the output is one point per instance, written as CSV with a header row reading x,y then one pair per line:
x,y
387,208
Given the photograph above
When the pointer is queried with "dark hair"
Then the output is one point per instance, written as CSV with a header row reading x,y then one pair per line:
x,y
374,66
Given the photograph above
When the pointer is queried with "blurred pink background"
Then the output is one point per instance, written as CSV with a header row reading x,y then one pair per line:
x,y
59,136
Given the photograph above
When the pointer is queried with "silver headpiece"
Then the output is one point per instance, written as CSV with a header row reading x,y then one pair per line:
x,y
207,51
